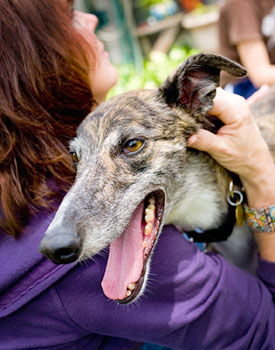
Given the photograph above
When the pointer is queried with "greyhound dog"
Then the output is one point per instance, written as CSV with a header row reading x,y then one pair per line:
x,y
135,174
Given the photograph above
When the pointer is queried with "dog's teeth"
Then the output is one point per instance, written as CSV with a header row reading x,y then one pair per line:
x,y
148,229
152,200
150,210
131,286
151,207
128,293
144,243
149,215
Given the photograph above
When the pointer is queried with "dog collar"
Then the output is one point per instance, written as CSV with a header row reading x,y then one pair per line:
x,y
235,214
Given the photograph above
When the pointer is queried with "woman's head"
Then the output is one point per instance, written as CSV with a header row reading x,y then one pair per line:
x,y
47,74
102,73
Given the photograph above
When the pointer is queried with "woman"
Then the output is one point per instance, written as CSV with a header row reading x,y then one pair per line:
x,y
196,300
50,80
246,35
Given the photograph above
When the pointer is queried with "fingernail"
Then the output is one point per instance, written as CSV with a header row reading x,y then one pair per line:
x,y
192,140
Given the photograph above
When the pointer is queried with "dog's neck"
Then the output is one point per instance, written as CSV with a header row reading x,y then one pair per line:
x,y
201,200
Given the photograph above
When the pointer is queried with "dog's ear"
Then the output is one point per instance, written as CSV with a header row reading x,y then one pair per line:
x,y
193,85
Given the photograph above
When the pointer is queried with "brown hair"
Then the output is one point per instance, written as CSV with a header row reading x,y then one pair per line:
x,y
44,95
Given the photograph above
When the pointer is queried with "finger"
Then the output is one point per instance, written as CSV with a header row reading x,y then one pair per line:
x,y
228,107
203,140
258,94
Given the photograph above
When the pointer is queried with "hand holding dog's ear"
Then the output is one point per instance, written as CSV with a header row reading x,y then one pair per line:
x,y
192,87
238,146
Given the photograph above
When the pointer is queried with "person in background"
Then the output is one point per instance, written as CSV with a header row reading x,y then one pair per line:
x,y
247,36
53,72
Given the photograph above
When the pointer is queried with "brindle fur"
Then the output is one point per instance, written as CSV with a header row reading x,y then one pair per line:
x,y
110,184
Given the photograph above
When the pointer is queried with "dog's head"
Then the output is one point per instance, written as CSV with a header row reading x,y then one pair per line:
x,y
130,155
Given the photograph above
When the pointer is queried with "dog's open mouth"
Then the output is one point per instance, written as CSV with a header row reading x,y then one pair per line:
x,y
129,253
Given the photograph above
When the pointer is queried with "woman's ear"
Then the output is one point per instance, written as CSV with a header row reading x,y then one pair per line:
x,y
192,86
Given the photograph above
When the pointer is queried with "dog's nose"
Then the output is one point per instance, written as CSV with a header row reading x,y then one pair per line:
x,y
61,247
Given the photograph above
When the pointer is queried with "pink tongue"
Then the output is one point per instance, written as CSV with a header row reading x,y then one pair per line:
x,y
125,260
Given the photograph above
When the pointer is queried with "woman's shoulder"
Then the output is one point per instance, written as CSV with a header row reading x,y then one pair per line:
x,y
26,271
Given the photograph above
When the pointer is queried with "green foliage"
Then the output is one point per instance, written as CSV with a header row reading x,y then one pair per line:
x,y
156,70
202,9
148,3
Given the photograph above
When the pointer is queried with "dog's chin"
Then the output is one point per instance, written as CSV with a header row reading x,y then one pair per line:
x,y
156,201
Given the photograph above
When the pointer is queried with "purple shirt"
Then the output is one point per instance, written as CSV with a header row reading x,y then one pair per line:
x,y
193,300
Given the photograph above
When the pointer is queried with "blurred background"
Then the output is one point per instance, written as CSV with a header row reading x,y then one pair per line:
x,y
147,39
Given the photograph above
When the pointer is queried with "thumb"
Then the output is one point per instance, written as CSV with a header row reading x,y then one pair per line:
x,y
203,140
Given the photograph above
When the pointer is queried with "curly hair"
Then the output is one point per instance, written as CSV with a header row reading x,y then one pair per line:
x,y
45,93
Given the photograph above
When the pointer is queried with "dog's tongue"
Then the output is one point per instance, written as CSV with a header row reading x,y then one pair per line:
x,y
125,262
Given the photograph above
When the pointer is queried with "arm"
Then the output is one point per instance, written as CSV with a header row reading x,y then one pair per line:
x,y
240,148
254,57
241,37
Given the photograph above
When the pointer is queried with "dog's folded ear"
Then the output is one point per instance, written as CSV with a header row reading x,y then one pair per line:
x,y
193,85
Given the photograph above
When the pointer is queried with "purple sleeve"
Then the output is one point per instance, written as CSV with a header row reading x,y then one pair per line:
x,y
266,272
192,301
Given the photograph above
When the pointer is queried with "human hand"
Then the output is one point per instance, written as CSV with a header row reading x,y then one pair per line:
x,y
239,147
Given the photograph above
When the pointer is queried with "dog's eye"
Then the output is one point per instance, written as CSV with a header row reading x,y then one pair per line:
x,y
133,146
74,159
